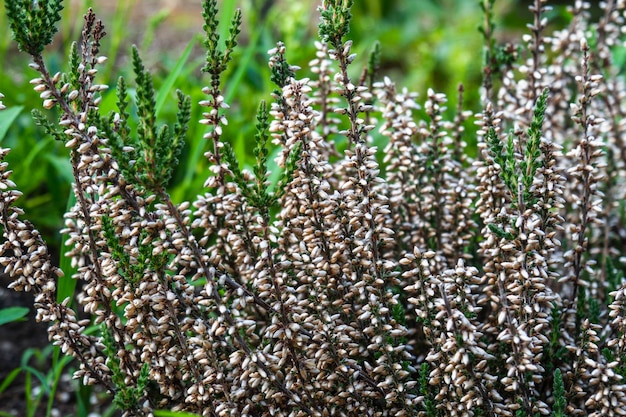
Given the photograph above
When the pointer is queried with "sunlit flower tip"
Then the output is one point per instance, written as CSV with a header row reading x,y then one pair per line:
x,y
49,103
583,44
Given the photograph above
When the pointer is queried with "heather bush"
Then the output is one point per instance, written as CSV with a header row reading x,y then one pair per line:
x,y
458,274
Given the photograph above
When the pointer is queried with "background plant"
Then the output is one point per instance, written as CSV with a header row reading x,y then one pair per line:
x,y
447,286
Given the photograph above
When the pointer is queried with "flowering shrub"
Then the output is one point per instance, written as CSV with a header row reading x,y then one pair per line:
x,y
428,283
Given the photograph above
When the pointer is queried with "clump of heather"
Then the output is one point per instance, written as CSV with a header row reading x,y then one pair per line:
x,y
423,283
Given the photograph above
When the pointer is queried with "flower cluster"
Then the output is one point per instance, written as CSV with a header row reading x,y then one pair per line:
x,y
425,282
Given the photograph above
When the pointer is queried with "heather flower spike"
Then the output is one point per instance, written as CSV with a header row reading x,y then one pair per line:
x,y
33,23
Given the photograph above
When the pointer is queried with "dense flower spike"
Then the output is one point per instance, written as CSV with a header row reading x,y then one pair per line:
x,y
425,282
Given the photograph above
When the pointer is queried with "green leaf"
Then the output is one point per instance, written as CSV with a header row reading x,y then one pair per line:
x,y
7,117
62,166
11,314
9,378
37,374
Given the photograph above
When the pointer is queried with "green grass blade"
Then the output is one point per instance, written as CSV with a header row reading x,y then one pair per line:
x,y
151,28
27,394
62,165
9,378
28,353
58,366
169,82
227,10
36,150
66,284
10,314
83,396
7,118
118,33
41,377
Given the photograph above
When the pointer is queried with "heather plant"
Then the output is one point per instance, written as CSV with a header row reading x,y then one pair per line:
x,y
434,280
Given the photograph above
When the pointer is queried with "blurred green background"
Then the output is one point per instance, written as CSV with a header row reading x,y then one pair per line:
x,y
425,43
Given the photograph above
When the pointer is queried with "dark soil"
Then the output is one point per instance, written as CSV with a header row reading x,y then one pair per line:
x,y
16,339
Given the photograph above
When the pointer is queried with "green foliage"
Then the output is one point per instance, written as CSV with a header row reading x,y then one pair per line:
x,y
513,170
532,153
133,270
504,159
373,65
48,127
74,62
40,164
126,398
429,402
11,314
149,157
258,193
497,58
216,58
281,71
560,402
33,23
498,231
172,77
118,131
555,352
7,119
335,21
614,277
260,150
44,367
610,357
